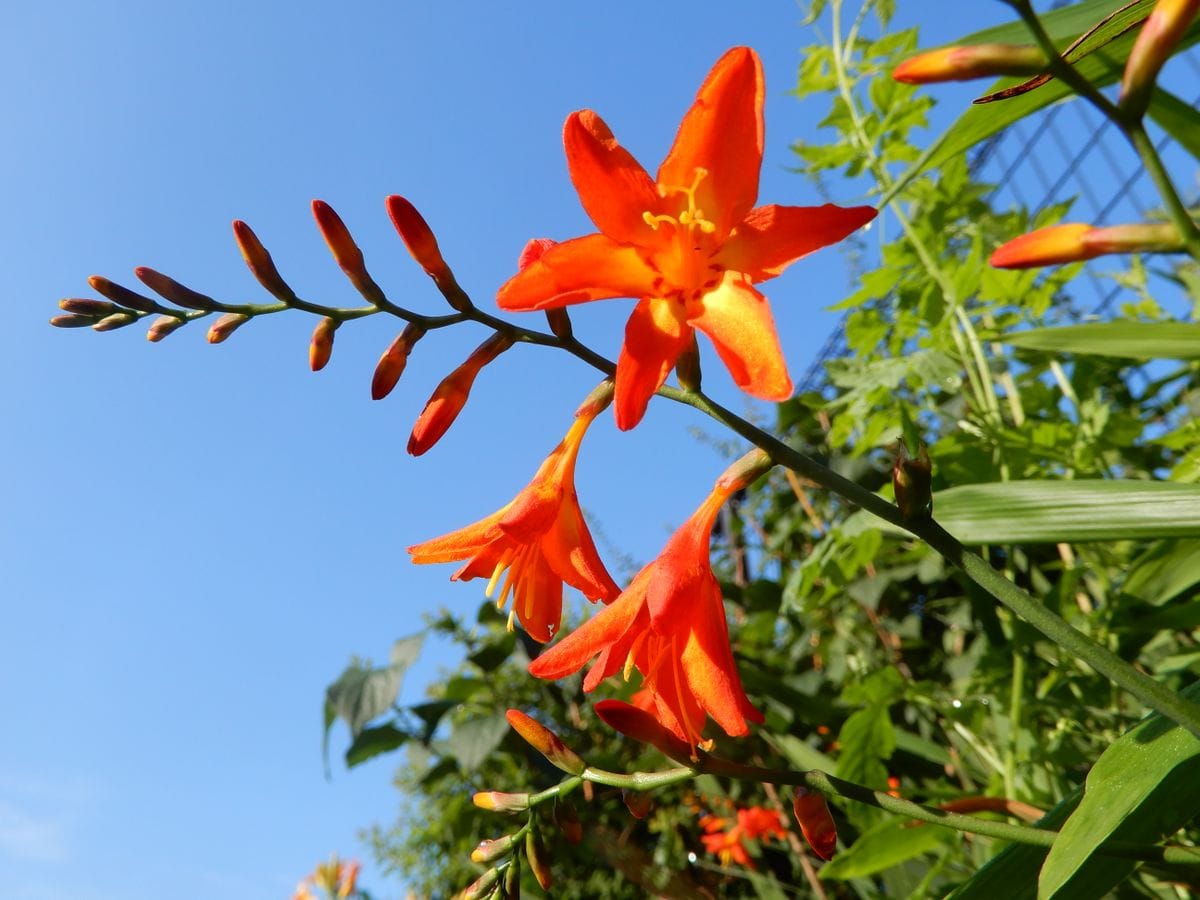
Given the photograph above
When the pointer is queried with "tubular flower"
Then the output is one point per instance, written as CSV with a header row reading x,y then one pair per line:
x,y
670,625
689,244
1075,242
539,538
726,838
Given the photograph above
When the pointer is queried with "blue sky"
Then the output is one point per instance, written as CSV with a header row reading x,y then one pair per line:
x,y
196,539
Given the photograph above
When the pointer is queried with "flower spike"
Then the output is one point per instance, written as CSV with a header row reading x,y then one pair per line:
x,y
689,244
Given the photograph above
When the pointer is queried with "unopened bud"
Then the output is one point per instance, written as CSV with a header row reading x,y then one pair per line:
x,y
172,290
744,471
498,801
451,395
162,326
481,886
816,822
967,63
911,479
395,358
545,742
1159,36
122,296
687,366
418,237
320,348
597,401
85,306
345,252
115,321
641,726
1075,242
73,320
259,261
512,880
535,856
560,323
489,850
225,326
639,803
567,820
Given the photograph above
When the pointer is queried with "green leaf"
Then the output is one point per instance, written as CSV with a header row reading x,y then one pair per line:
x,y
888,844
1142,788
1178,119
1100,66
492,654
373,741
1166,570
361,693
474,739
1050,512
1126,340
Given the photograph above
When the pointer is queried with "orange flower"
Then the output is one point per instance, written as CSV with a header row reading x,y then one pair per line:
x,y
726,838
670,624
689,244
539,537
336,879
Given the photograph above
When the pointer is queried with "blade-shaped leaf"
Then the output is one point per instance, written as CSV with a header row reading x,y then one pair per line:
x,y
1142,788
1040,512
1126,340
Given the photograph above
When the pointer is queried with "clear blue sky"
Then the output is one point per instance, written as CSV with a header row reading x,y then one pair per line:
x,y
196,539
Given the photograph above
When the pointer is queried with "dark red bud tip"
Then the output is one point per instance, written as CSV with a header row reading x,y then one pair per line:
x,y
639,803
815,821
122,296
172,290
641,726
85,306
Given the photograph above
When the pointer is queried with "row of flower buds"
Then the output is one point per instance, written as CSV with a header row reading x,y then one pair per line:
x,y
1071,242
1157,39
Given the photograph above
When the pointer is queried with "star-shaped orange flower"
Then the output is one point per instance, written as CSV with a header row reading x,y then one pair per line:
x,y
690,244
539,538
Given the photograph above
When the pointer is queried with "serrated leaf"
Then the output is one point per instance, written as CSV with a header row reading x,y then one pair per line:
x,y
888,844
472,741
1125,340
1142,788
374,741
1041,512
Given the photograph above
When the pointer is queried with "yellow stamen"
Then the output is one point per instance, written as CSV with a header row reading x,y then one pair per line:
x,y
692,217
512,614
495,579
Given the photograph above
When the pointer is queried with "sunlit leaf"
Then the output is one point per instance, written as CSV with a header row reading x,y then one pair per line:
x,y
1126,340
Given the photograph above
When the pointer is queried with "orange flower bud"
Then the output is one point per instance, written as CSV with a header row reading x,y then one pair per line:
x,y
1158,37
73,320
535,856
545,742
174,291
481,885
489,850
395,358
451,395
113,322
911,482
259,261
498,801
83,306
345,252
418,237
162,326
1076,242
512,880
320,348
639,803
966,63
816,822
122,296
225,326
642,726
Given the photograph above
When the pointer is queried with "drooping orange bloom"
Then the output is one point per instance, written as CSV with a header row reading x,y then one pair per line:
x,y
689,244
670,624
539,538
726,837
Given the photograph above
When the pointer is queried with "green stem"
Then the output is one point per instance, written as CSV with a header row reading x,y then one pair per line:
x,y
1016,696
1180,218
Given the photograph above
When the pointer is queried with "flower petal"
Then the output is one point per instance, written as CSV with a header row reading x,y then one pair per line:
x,y
722,133
593,267
655,335
738,320
710,671
569,550
773,237
459,544
613,187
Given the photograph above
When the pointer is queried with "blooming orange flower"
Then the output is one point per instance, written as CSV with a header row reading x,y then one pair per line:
x,y
726,837
539,537
670,624
689,244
